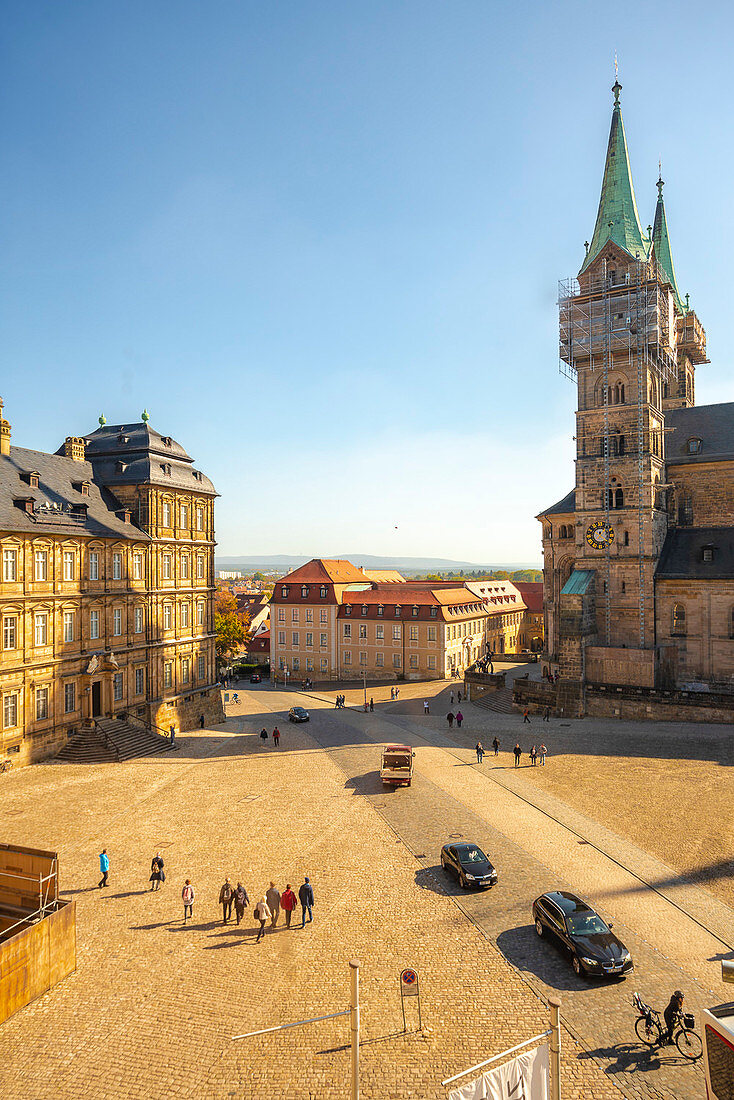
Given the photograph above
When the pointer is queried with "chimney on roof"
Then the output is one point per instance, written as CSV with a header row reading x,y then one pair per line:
x,y
74,448
4,433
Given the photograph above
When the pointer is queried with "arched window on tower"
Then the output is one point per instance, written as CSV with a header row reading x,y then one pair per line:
x,y
616,497
679,619
626,538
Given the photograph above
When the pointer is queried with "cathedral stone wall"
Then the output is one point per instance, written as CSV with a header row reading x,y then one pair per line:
x,y
703,494
704,632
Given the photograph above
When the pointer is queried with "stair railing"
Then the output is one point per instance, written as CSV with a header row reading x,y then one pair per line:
x,y
149,727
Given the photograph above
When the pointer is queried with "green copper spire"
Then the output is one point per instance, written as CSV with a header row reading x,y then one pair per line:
x,y
617,219
661,244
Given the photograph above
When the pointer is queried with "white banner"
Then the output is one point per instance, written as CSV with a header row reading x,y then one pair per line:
x,y
524,1078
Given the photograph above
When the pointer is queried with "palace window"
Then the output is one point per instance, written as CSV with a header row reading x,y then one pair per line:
x,y
398,609
199,518
284,591
184,567
138,620
396,660
362,657
432,662
68,565
117,687
202,668
379,632
69,698
185,670
347,630
295,639
40,628
415,612
309,641
166,567
304,591
200,568
363,631
10,711
322,640
694,446
10,565
41,565
167,616
679,619
364,608
434,612
200,613
281,637
41,703
166,514
185,516
94,624
94,566
323,592
185,615
68,626
10,632
117,566
348,609
167,673
140,681
117,622
309,614
396,634
431,634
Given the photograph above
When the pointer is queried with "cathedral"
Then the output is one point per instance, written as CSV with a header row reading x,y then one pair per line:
x,y
639,556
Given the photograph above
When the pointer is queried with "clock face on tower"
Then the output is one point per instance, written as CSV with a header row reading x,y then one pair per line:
x,y
599,535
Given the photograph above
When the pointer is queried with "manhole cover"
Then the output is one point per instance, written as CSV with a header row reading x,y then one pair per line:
x,y
455,836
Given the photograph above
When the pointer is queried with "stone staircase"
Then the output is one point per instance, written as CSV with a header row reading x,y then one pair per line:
x,y
498,701
112,740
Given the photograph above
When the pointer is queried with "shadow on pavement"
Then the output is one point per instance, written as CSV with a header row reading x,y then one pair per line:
x,y
632,1058
368,783
547,960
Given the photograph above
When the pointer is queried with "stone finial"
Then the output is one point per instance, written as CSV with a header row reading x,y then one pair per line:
x,y
145,416
102,420
616,88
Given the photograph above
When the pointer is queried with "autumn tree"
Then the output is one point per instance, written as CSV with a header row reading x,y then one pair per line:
x,y
230,625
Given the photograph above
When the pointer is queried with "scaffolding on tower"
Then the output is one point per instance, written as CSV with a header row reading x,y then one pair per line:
x,y
621,317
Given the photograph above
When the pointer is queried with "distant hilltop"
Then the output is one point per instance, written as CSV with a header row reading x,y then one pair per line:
x,y
283,563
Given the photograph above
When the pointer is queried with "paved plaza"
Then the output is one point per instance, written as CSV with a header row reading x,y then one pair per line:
x,y
153,1005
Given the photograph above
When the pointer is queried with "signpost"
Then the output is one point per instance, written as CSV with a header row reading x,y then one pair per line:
x,y
410,987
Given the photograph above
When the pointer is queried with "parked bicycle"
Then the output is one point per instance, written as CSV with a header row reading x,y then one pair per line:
x,y
653,1032
5,765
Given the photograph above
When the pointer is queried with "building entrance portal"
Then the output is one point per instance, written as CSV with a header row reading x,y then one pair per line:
x,y
96,699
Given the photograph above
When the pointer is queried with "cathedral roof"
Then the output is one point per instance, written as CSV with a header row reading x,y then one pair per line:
x,y
713,425
562,507
682,556
661,245
617,219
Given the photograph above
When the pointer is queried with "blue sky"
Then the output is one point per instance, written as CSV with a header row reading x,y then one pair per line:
x,y
320,242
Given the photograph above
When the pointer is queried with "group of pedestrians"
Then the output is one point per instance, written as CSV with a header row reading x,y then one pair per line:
x,y
233,897
535,752
451,700
450,717
276,735
394,692
341,701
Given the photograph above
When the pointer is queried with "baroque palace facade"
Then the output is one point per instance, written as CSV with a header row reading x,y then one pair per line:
x,y
639,556
107,595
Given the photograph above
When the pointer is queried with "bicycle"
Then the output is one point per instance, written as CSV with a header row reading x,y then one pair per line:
x,y
653,1033
5,765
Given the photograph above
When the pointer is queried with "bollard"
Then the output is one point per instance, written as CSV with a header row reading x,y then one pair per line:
x,y
354,1021
554,1004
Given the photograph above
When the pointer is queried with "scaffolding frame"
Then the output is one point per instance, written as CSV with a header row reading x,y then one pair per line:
x,y
622,316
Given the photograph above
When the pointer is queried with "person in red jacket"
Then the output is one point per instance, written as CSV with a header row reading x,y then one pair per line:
x,y
288,904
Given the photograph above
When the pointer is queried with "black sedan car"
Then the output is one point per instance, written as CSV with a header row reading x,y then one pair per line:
x,y
470,865
298,714
255,678
593,947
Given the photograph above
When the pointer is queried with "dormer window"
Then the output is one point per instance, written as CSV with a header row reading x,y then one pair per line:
x,y
284,591
364,608
166,439
415,612
84,488
121,467
304,591
348,609
323,592
694,446
380,609
707,553
398,609
123,439
434,612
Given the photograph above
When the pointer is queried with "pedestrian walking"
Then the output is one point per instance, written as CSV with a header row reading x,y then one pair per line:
x,y
392,693
518,753
306,898
240,901
480,752
187,896
372,703
458,697
104,866
226,895
459,718
263,734
543,754
452,699
426,709
496,746
272,896
450,719
276,737
157,874
201,721
262,912
397,692
526,716
533,755
172,732
235,697
288,904
546,714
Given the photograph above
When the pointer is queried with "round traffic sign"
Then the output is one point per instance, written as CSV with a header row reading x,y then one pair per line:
x,y
409,977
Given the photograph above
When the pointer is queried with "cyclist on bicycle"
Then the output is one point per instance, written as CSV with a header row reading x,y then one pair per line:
x,y
672,1012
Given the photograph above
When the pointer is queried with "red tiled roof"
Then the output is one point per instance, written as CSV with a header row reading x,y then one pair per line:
x,y
532,594
324,569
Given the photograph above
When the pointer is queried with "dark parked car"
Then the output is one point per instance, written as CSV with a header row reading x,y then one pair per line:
x,y
255,678
469,863
298,714
593,947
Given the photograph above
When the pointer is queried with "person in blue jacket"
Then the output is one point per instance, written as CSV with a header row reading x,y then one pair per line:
x,y
104,866
306,898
